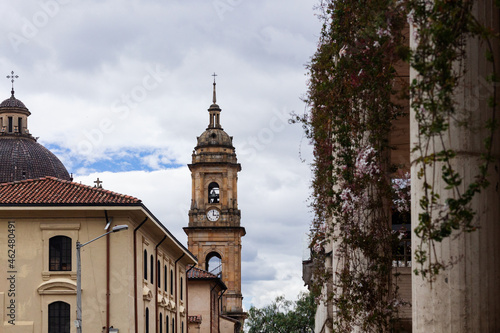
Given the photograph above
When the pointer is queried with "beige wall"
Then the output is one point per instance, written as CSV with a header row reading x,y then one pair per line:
x,y
199,303
36,286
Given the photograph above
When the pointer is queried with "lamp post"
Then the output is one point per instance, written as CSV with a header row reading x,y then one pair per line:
x,y
78,321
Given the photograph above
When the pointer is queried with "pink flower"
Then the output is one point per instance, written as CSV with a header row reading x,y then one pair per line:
x,y
343,51
402,187
366,163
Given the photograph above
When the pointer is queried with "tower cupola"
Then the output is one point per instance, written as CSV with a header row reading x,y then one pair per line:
x,y
13,114
214,110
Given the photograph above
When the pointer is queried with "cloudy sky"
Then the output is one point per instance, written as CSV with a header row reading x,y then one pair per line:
x,y
119,89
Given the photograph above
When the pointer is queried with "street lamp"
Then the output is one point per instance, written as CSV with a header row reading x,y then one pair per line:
x,y
78,321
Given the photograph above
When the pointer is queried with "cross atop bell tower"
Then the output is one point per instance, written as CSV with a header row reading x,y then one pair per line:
x,y
214,230
214,110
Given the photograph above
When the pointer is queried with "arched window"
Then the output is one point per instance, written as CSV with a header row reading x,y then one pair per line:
x,y
167,322
60,253
182,289
214,264
173,325
147,320
158,271
145,264
213,193
165,278
59,317
182,327
171,282
152,270
161,323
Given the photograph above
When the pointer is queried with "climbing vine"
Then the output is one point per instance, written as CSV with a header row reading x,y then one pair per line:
x,y
353,97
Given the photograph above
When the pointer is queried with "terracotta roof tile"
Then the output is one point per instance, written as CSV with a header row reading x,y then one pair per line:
x,y
51,190
197,273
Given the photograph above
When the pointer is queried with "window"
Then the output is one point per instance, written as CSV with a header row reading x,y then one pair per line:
x,y
171,282
151,278
158,271
165,278
213,264
166,324
173,325
182,327
161,323
213,193
19,124
181,288
145,264
10,125
147,320
60,253
59,317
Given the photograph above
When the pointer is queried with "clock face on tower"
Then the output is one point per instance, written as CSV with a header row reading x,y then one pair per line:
x,y
213,215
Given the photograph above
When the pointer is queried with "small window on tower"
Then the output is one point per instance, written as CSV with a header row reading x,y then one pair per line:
x,y
213,193
10,129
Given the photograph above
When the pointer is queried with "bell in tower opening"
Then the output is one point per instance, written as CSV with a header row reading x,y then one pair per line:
x,y
214,231
213,193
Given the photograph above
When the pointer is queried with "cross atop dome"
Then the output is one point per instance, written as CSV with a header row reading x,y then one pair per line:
x,y
12,77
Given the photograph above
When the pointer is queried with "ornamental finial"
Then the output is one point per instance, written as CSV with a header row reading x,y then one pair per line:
x,y
214,98
12,77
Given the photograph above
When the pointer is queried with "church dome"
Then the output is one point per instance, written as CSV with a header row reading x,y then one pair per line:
x,y
21,157
215,137
24,158
12,102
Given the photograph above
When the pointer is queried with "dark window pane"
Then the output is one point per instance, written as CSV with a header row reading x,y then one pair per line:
x,y
152,270
158,270
60,253
171,282
59,317
165,278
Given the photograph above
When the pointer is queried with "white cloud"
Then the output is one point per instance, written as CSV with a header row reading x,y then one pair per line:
x,y
125,85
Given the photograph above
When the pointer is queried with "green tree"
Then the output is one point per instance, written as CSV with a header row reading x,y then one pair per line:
x,y
283,316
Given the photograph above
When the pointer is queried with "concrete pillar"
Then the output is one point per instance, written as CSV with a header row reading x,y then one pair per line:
x,y
466,297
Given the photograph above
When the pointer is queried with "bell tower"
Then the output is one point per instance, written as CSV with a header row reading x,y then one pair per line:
x,y
214,231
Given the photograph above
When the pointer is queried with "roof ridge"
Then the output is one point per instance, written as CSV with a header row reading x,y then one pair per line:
x,y
103,194
210,275
93,188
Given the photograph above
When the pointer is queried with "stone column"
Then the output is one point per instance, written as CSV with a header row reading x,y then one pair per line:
x,y
466,297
